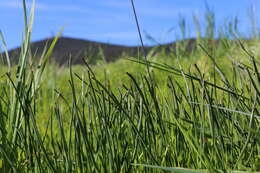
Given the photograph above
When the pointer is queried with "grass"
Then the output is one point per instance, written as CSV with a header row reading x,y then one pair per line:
x,y
194,112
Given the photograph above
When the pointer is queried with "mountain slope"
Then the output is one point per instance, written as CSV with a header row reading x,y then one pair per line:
x,y
78,49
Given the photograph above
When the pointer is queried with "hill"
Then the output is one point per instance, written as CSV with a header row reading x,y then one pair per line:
x,y
79,49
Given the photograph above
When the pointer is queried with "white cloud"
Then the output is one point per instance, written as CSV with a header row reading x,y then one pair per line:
x,y
160,36
117,4
11,4
40,6
151,8
116,35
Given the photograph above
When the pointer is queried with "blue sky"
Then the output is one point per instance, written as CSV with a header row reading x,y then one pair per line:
x,y
112,20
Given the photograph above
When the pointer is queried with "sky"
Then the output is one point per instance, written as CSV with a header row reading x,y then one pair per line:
x,y
112,21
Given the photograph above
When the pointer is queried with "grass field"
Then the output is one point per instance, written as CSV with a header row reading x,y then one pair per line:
x,y
179,111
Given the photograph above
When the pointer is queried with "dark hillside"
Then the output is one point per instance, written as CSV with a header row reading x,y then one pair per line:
x,y
79,49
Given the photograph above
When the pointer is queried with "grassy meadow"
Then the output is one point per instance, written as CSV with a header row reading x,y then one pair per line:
x,y
175,111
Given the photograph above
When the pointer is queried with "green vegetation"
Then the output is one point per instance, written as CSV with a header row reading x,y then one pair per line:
x,y
178,111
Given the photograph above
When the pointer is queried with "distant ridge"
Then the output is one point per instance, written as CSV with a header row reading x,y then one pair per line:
x,y
78,49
